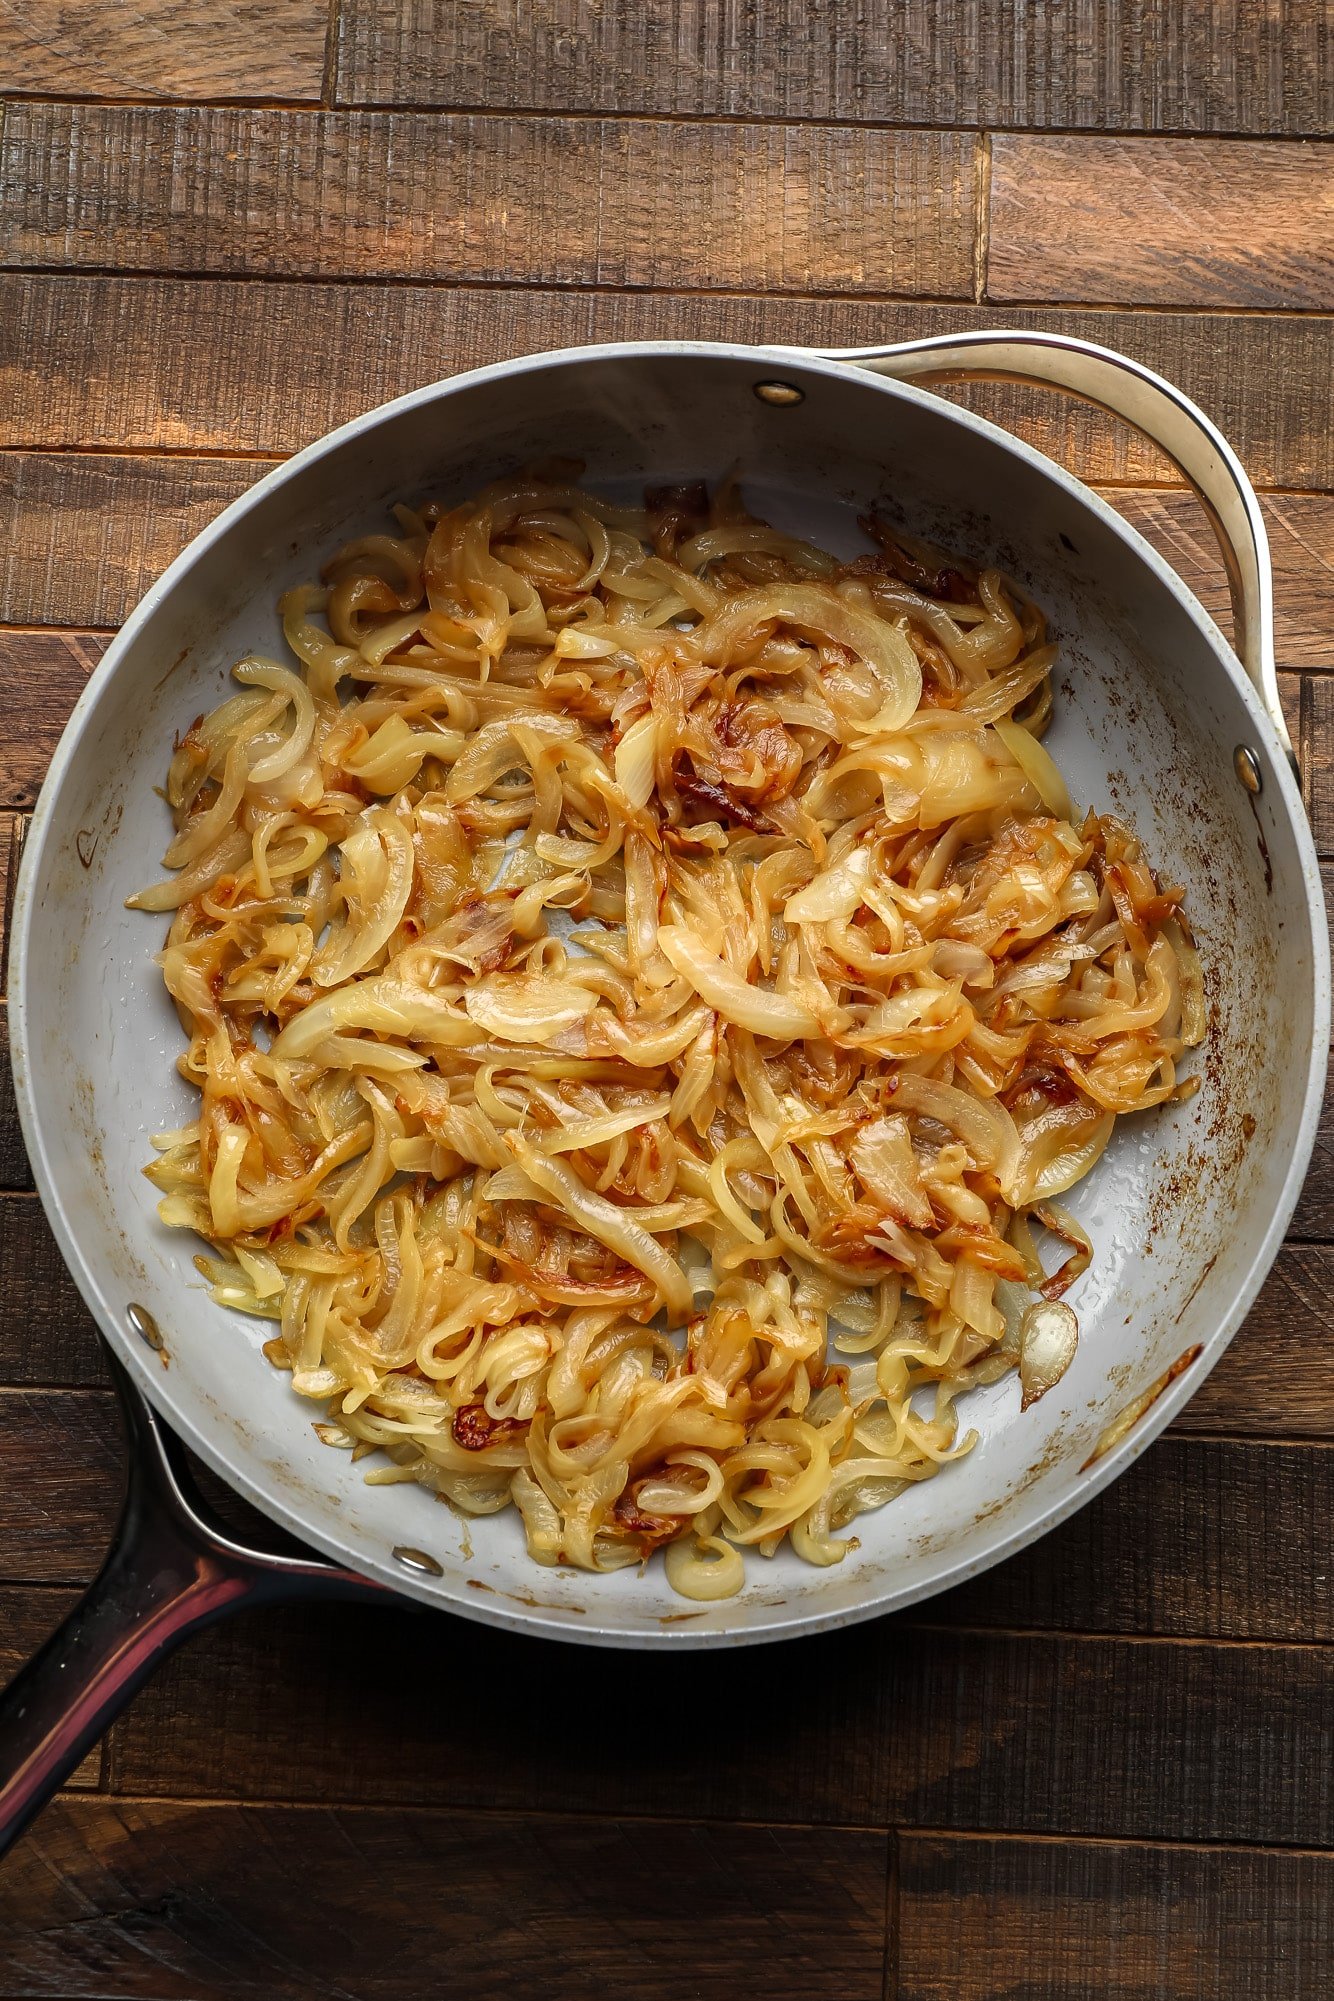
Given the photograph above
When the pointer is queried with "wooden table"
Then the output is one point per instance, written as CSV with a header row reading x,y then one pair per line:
x,y
1104,1770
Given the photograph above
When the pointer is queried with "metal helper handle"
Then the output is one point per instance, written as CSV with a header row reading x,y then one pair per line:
x,y
170,1570
1179,428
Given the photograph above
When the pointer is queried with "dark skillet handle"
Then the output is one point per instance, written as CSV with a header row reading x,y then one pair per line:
x,y
171,1569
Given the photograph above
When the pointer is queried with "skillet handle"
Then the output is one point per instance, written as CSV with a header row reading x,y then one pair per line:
x,y
1163,414
171,1569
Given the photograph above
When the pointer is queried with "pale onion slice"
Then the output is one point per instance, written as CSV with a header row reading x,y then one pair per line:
x,y
1048,1339
704,1568
836,893
984,1125
390,1006
634,761
527,1007
777,1016
377,870
1038,766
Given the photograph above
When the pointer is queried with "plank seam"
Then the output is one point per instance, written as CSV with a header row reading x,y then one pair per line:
x,y
640,1818
423,281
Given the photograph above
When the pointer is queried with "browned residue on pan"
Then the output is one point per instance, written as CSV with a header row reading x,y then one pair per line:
x,y
1125,1420
1178,1318
1264,845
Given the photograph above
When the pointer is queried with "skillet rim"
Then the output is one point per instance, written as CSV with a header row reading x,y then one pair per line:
x,y
156,1384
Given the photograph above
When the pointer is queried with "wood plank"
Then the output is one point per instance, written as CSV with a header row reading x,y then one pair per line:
x,y
64,1466
1203,1538
545,200
126,517
15,1171
1314,1217
129,516
1193,65
223,365
1301,542
1109,1921
1191,1542
895,1724
1164,222
27,1618
1263,1387
1267,1384
156,1901
1315,742
165,48
42,675
47,1335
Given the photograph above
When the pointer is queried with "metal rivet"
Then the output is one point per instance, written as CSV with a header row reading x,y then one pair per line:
x,y
417,1559
780,394
145,1326
1247,767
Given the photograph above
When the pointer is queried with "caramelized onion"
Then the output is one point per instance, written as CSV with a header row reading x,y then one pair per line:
x,y
615,994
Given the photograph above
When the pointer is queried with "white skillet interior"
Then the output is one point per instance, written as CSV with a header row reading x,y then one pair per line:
x,y
1185,1210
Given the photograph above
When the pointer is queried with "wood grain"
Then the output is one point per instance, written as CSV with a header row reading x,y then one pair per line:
x,y
1301,542
11,831
42,675
47,1335
144,1899
1315,742
545,200
1262,1385
1162,222
64,1475
164,48
224,365
125,517
1192,65
1200,1538
891,1724
14,1169
27,1619
1077,1921
1314,1217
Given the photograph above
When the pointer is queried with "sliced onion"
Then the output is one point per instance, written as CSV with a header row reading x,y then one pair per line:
x,y
984,1125
836,893
704,1568
612,1226
634,761
774,1015
816,608
377,865
527,1007
1038,766
387,1005
1048,1338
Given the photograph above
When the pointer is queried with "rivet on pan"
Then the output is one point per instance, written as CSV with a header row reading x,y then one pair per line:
x,y
780,394
417,1559
145,1326
1247,767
